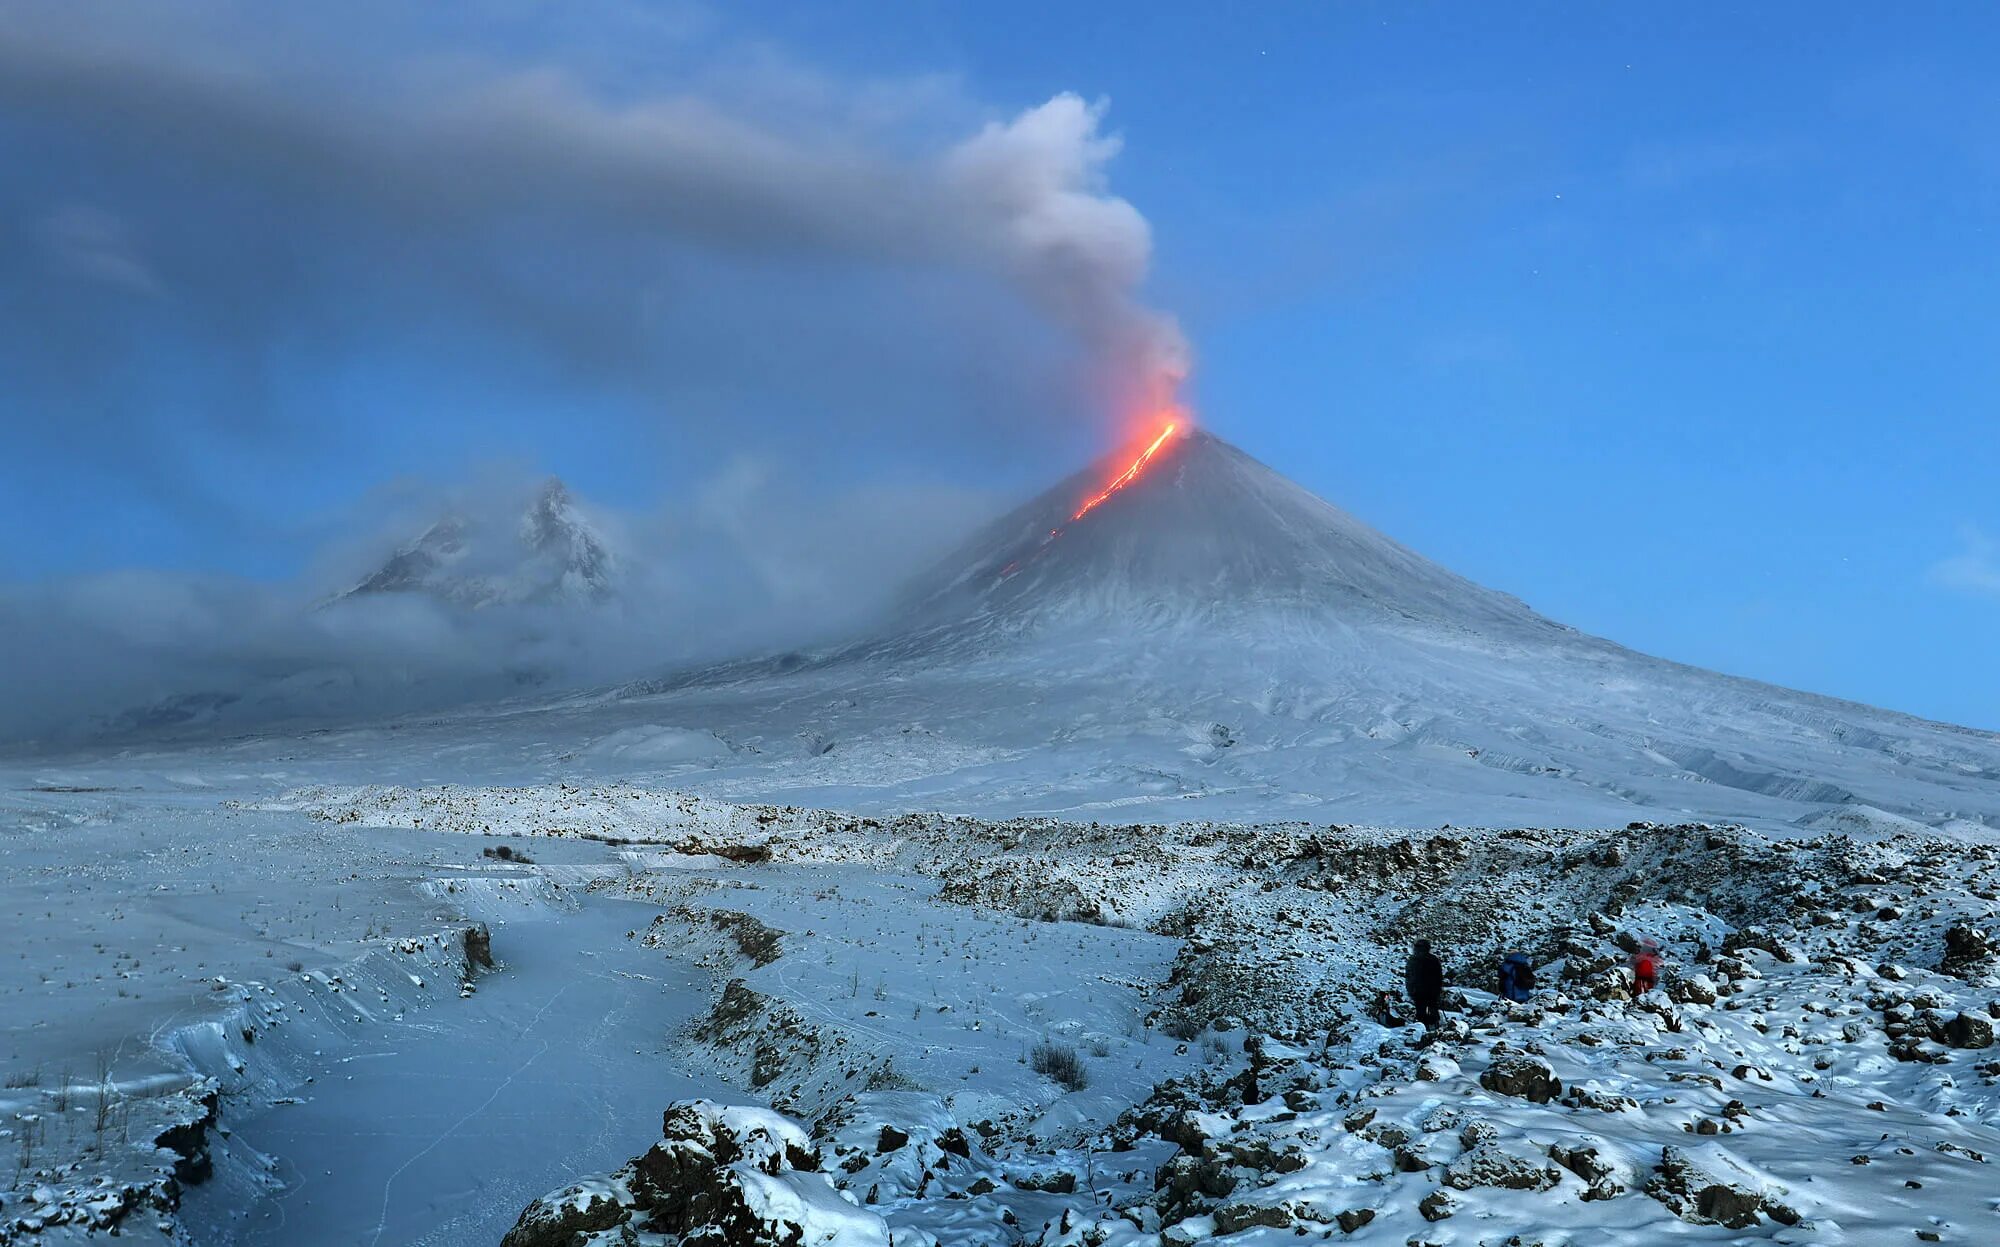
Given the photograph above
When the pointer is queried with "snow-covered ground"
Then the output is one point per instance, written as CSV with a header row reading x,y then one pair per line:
x,y
913,991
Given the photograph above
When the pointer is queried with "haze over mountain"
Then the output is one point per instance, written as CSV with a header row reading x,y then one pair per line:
x,y
555,554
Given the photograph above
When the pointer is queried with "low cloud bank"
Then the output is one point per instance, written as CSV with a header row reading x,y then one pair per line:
x,y
747,566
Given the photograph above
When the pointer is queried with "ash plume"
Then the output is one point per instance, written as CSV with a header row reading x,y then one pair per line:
x,y
232,231
1082,251
461,165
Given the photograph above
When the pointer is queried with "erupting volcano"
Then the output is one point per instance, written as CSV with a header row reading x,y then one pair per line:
x,y
1189,525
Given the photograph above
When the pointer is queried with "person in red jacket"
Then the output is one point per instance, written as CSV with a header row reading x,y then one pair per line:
x,y
1645,968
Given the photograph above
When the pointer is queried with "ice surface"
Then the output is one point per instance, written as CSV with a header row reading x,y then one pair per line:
x,y
440,1130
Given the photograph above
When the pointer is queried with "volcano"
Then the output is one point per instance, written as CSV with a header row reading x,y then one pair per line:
x,y
1204,532
1212,640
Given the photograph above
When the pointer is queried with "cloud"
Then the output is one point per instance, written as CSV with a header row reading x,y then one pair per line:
x,y
1974,569
751,562
98,246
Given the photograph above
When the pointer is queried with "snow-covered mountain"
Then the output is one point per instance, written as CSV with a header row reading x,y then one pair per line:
x,y
1208,641
1204,532
552,554
1213,638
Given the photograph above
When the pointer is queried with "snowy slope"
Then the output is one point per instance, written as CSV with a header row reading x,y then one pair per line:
x,y
1211,642
1215,639
1205,531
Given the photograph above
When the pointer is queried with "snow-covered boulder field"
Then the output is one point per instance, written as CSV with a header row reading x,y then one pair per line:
x,y
1816,1064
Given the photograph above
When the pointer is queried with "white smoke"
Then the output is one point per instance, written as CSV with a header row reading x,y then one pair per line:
x,y
1039,181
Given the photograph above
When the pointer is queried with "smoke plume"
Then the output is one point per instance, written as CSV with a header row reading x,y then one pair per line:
x,y
230,232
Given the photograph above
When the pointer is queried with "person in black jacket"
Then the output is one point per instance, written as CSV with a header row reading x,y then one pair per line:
x,y
1423,978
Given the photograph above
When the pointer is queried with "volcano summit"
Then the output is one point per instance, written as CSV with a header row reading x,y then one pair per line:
x,y
1205,532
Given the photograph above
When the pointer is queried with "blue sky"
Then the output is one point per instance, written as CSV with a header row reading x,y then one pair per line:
x,y
1680,325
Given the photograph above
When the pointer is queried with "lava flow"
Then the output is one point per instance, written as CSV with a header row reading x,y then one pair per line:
x,y
1128,475
1119,482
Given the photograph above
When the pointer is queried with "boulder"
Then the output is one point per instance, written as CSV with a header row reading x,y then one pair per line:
x,y
1969,1030
1706,1189
1518,1074
1967,952
1489,1165
745,1177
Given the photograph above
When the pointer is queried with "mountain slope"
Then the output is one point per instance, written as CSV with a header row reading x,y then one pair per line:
x,y
1214,639
1203,530
1211,641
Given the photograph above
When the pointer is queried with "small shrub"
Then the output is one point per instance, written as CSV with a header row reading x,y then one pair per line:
x,y
1061,1063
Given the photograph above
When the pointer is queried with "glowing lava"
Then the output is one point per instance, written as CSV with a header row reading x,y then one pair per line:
x,y
1128,475
1123,479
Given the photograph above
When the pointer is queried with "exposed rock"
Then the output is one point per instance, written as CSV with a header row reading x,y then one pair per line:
x,y
1489,1165
188,1141
567,1217
1969,1030
735,1176
478,947
1518,1074
1236,1217
1707,1190
1584,1160
1189,1184
1591,1095
1696,989
761,944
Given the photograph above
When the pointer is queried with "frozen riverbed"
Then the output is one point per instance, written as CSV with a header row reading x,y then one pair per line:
x,y
438,1129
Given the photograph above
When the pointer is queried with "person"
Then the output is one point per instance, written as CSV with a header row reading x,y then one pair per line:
x,y
1645,968
1517,977
1423,978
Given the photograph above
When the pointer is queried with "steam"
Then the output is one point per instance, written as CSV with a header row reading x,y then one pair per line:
x,y
1082,251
